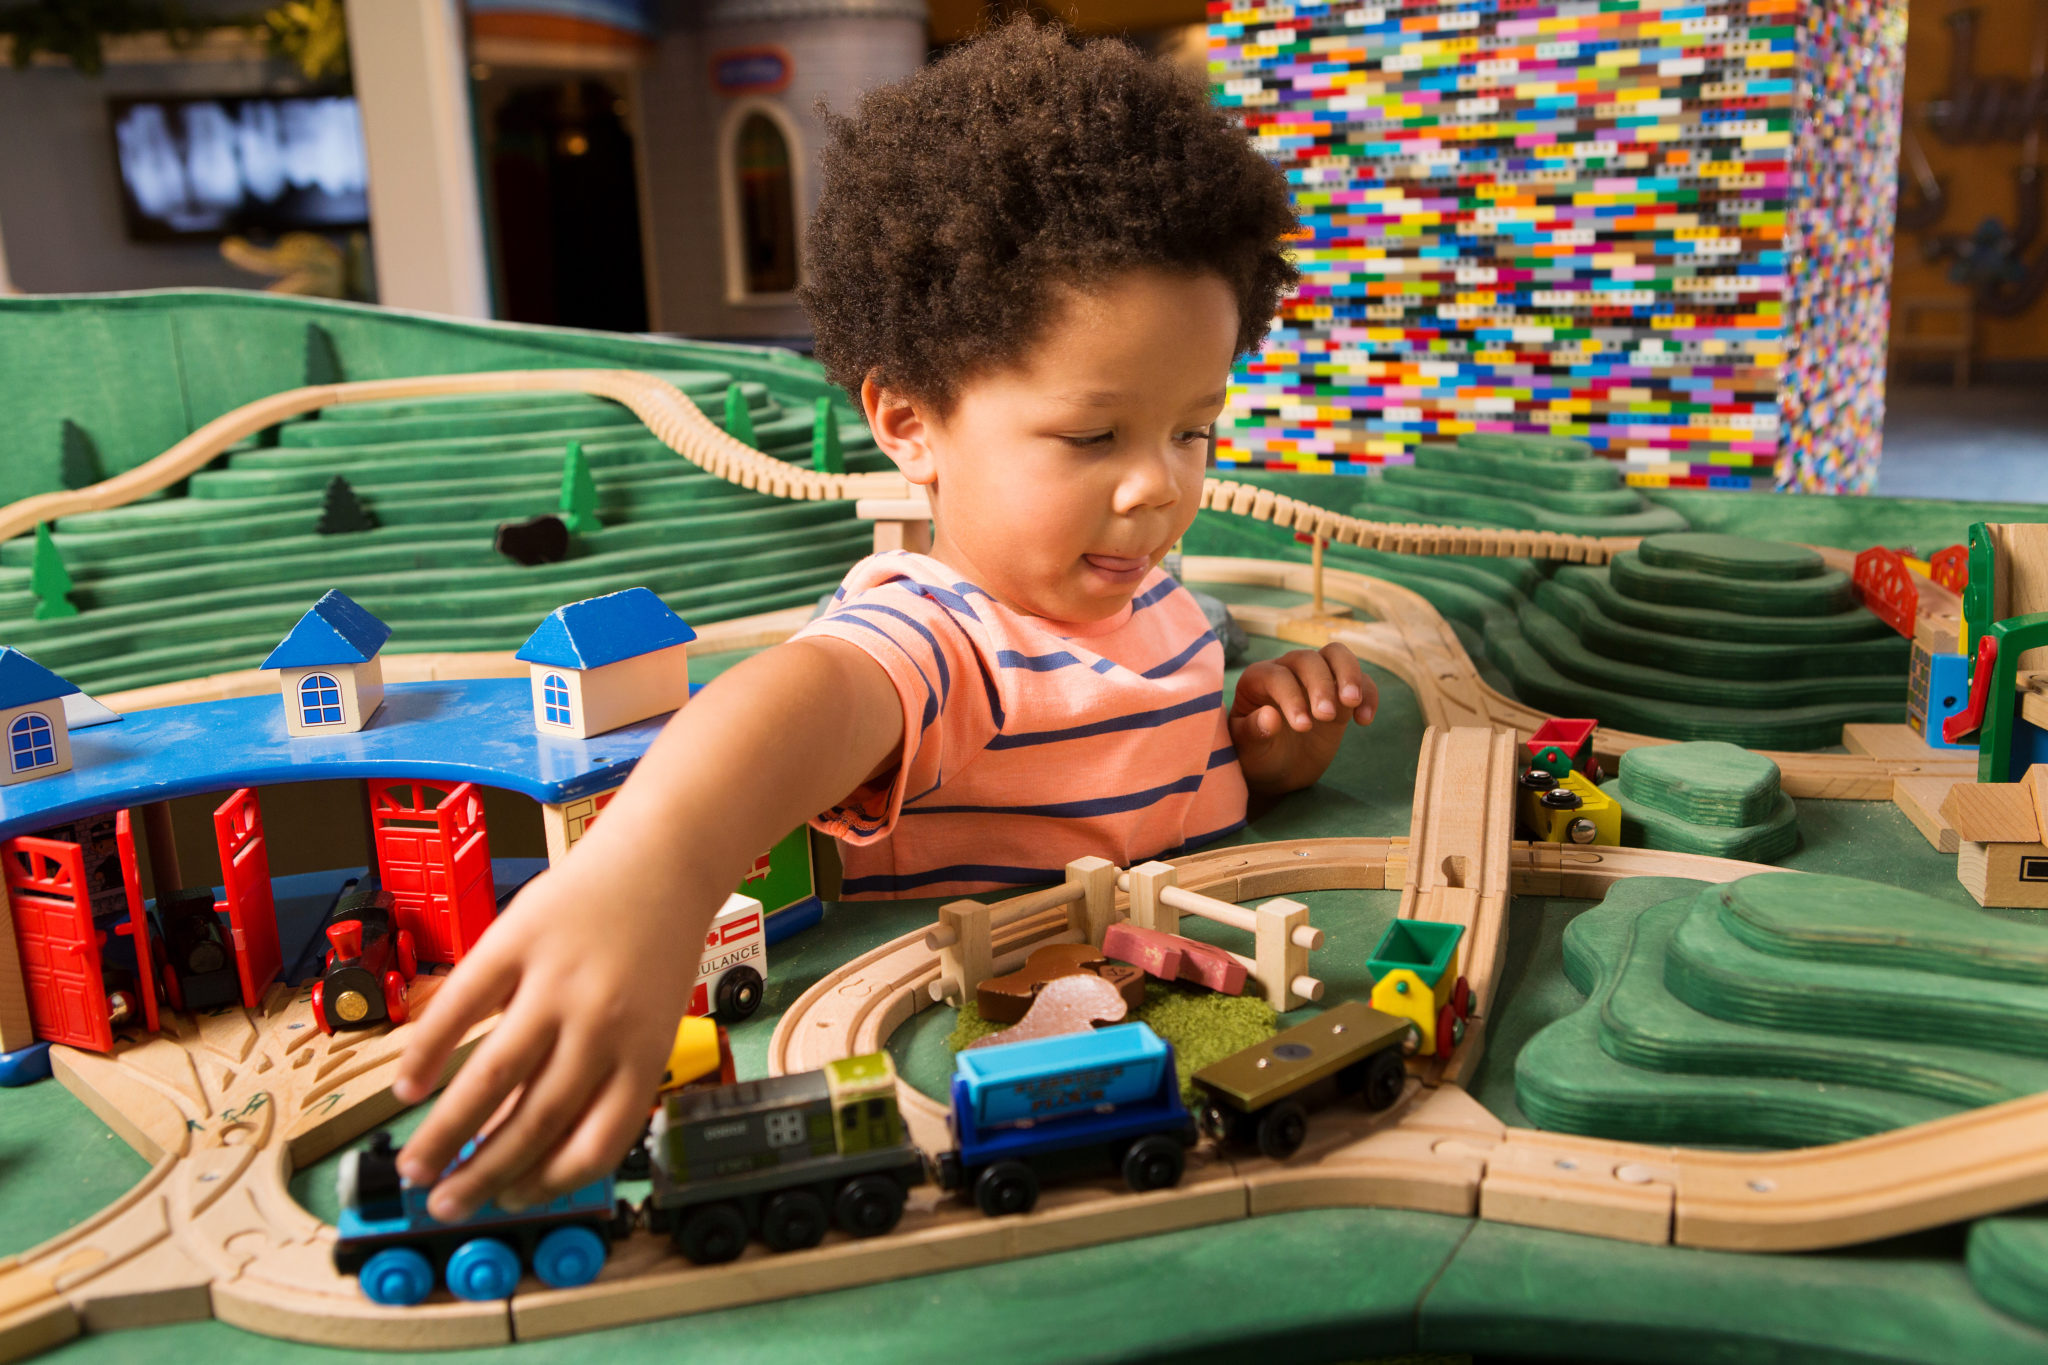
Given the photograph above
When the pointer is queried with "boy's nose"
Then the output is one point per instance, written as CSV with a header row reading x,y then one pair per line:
x,y
1153,480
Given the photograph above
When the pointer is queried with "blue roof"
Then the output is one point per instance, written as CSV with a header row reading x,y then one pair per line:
x,y
23,680
603,630
474,730
335,631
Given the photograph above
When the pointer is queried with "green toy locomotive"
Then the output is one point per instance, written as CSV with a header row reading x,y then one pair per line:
x,y
784,1157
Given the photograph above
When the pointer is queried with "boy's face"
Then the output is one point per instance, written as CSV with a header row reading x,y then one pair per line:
x,y
1057,483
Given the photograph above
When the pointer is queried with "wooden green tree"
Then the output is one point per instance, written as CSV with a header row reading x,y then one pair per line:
x,y
826,455
579,492
342,511
79,464
323,362
48,579
739,421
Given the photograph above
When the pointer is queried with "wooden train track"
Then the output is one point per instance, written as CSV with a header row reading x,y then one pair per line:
x,y
677,423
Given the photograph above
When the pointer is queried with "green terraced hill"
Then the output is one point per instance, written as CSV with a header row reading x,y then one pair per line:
x,y
1784,1010
1569,639
1528,483
177,587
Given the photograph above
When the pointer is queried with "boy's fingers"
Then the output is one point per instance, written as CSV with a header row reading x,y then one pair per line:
x,y
1282,689
480,984
1318,682
546,1109
1355,691
613,1122
500,1065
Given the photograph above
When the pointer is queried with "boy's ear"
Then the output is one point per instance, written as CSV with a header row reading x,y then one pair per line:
x,y
903,430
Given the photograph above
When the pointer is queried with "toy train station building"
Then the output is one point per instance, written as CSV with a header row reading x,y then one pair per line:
x,y
80,959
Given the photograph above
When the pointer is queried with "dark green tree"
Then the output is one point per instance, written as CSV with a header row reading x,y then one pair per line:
x,y
826,455
79,465
323,362
579,492
342,511
49,580
739,422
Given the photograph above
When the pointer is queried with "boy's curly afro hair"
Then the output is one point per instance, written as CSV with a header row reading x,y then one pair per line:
x,y
955,201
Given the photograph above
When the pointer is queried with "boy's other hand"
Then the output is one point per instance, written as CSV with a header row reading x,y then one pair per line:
x,y
567,1078
1289,715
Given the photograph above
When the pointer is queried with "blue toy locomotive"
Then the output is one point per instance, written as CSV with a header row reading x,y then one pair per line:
x,y
398,1251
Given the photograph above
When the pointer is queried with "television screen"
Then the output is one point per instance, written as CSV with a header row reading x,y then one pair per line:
x,y
209,166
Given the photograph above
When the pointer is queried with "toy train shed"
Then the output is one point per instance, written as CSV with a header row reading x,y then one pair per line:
x,y
421,758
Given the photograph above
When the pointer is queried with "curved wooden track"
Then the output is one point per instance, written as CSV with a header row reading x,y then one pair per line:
x,y
678,424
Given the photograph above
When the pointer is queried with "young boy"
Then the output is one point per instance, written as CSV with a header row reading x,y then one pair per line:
x,y
1034,263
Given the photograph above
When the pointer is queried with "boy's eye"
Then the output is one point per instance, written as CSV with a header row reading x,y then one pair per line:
x,y
1198,434
1097,439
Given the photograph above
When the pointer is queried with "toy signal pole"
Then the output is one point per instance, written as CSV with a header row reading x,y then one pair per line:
x,y
1315,568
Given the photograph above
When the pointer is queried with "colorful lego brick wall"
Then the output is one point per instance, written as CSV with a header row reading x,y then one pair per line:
x,y
1662,227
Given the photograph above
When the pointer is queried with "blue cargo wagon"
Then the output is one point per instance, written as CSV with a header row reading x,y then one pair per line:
x,y
1111,1095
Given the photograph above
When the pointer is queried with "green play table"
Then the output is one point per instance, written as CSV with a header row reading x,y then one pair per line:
x,y
1339,1284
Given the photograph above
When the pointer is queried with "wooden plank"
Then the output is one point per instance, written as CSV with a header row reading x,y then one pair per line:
x,y
1919,799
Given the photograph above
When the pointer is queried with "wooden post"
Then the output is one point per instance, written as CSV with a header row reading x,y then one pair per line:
x,y
1284,940
1315,562
162,842
966,947
1148,911
914,536
1091,915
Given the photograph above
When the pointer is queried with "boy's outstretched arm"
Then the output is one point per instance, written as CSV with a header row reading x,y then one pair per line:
x,y
592,964
1289,714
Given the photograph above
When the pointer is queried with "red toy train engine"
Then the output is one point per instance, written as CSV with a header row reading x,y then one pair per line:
x,y
362,983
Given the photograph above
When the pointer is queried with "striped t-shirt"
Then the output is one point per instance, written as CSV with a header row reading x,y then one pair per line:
x,y
1029,742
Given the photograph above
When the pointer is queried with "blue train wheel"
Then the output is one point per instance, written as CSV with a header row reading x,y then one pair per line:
x,y
483,1268
568,1257
397,1276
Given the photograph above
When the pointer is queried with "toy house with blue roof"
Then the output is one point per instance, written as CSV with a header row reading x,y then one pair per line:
x,y
328,668
607,661
32,722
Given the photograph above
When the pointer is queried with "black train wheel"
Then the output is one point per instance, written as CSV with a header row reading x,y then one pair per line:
x,y
1006,1187
1282,1130
793,1220
739,994
712,1234
1154,1163
868,1205
1386,1074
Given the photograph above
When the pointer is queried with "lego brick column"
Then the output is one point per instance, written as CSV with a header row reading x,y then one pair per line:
x,y
1662,227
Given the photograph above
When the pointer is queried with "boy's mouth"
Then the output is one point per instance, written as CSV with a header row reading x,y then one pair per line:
x,y
1119,569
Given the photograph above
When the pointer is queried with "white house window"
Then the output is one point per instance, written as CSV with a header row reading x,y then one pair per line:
x,y
31,743
767,201
554,695
319,700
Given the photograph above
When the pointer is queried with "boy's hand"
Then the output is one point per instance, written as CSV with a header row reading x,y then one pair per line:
x,y
1289,715
568,1076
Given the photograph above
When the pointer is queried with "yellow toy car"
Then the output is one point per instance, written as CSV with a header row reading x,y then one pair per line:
x,y
1568,810
1415,977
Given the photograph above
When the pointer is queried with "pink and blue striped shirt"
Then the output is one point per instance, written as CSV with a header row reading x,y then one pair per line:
x,y
1029,742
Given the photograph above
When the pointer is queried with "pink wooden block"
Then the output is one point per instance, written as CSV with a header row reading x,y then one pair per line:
x,y
1173,958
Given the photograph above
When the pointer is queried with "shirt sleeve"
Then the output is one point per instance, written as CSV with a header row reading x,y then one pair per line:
x,y
935,662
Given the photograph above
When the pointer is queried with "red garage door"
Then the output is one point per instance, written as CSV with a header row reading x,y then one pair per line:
x,y
434,855
60,950
245,881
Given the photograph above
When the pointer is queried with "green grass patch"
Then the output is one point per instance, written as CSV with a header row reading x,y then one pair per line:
x,y
1202,1025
